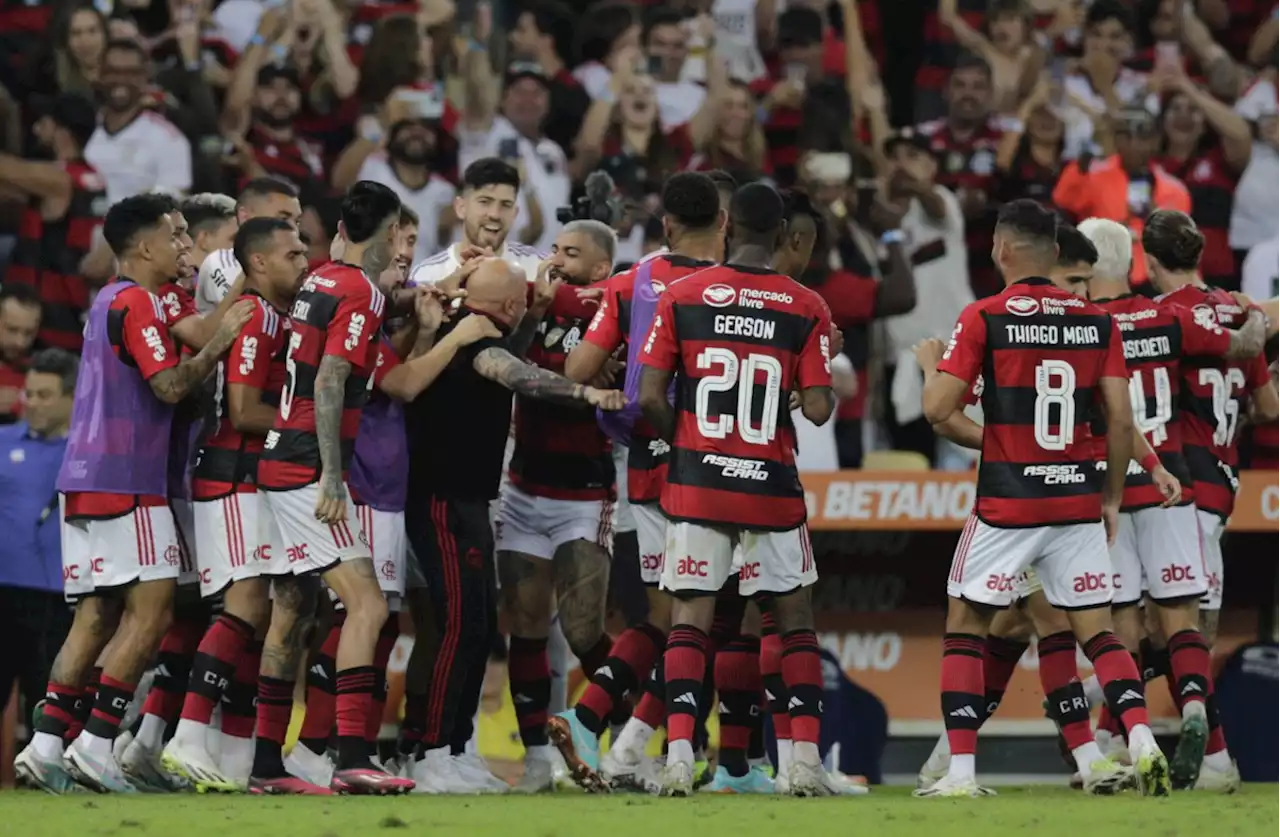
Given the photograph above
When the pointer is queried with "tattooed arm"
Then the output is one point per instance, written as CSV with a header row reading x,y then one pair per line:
x,y
653,401
175,383
331,381
522,378
522,338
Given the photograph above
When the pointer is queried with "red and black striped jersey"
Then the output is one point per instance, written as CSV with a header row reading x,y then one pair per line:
x,y
739,340
1212,184
610,330
338,313
1215,394
560,451
1041,352
1155,339
48,253
229,458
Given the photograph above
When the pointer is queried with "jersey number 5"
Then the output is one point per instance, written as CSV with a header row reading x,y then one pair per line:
x,y
1224,383
291,376
741,374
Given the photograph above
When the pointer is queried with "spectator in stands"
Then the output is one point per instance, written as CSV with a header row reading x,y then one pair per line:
x,y
400,55
933,233
1029,156
19,324
728,137
1206,145
965,143
273,146
666,46
66,202
211,223
135,149
1007,47
1255,215
80,39
34,615
608,33
544,34
1125,187
516,134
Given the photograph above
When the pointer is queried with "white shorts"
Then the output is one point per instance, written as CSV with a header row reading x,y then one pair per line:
x,y
1211,527
237,542
537,526
184,519
702,558
100,554
1157,551
310,545
1027,584
1070,561
385,531
651,533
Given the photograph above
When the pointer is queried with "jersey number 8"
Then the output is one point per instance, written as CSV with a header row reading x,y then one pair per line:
x,y
741,374
1055,388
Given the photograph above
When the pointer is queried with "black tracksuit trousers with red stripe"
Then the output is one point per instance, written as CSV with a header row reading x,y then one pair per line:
x,y
453,542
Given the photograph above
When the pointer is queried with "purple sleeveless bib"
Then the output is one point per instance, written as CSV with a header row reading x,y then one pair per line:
x,y
644,305
379,473
119,439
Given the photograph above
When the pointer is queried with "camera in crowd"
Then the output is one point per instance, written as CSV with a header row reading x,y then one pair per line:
x,y
597,203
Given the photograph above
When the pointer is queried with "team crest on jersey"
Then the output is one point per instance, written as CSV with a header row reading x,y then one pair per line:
x,y
389,570
658,287
718,296
1204,316
1021,306
983,162
572,338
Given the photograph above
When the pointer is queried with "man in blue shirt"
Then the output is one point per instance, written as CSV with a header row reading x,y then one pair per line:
x,y
34,616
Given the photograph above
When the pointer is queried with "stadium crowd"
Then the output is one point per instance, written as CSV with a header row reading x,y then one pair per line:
x,y
900,129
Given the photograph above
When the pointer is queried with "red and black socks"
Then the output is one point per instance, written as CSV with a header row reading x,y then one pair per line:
x,y
684,665
775,689
238,711
999,661
1068,707
738,686
387,639
109,707
802,674
963,691
275,706
652,707
632,656
529,675
1119,679
1189,662
322,691
174,662
213,668
61,711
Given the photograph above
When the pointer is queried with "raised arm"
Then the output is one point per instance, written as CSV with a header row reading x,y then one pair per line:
x,y
176,383
407,380
522,378
968,37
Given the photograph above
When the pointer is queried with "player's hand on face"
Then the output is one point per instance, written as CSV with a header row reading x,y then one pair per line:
x,y
474,327
429,310
544,288
331,500
1110,520
470,252
1168,485
928,353
606,399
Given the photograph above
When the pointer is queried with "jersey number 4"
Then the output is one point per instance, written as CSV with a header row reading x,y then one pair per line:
x,y
1154,424
740,373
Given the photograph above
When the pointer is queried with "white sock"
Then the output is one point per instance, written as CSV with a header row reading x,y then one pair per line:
x,y
95,744
47,746
680,751
236,757
1093,691
191,733
962,766
941,754
1192,708
1102,738
634,737
805,752
1220,761
542,752
151,732
784,756
1085,755
1141,741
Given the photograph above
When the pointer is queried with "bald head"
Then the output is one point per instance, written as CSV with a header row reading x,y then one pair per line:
x,y
500,289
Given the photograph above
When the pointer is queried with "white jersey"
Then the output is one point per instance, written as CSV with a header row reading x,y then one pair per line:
x,y
147,155
432,270
218,272
429,201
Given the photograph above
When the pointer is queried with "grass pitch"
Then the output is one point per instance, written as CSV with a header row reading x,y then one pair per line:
x,y
887,812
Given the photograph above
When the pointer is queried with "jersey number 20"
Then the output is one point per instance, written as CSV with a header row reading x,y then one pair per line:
x,y
741,374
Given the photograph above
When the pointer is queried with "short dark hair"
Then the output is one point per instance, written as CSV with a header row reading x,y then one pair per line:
x,y
1171,238
691,199
554,18
127,45
799,26
796,204
490,171
1101,11
207,211
58,362
408,218
724,181
603,24
129,218
366,207
971,61
757,208
261,187
1029,220
656,16
1074,247
254,236
20,293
